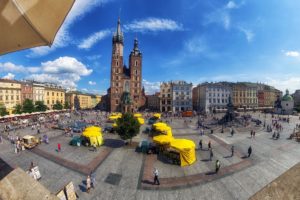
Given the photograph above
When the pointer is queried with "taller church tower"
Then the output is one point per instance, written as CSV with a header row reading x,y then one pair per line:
x,y
116,83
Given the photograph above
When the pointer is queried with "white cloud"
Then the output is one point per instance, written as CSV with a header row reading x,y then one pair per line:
x,y
63,38
231,5
65,71
195,45
151,87
248,33
153,24
92,83
222,15
93,39
292,53
9,76
290,82
11,67
64,65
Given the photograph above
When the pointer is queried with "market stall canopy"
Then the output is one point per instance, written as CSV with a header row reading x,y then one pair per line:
x,y
157,115
159,124
93,128
90,133
163,139
31,23
141,120
166,130
95,137
137,115
186,150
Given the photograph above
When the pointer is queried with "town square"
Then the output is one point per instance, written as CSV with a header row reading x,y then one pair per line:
x,y
103,99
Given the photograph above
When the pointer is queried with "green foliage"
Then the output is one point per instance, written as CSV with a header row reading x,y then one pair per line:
x,y
3,110
28,106
127,126
40,106
17,109
57,106
67,105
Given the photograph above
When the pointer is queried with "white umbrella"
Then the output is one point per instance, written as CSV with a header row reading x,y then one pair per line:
x,y
30,23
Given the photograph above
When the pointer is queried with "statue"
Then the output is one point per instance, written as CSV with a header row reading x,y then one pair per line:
x,y
126,99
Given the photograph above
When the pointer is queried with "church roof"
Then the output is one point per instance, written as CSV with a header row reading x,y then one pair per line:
x,y
287,97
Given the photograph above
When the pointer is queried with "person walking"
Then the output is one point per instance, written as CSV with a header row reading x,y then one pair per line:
x,y
0,139
209,144
58,147
211,154
232,150
249,151
200,144
88,184
218,165
155,173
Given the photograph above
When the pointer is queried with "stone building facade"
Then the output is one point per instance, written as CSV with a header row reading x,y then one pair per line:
x,y
10,94
211,97
181,96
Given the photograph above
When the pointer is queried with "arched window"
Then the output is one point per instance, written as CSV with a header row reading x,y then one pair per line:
x,y
135,64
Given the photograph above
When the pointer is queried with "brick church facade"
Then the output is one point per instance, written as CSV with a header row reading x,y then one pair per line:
x,y
126,93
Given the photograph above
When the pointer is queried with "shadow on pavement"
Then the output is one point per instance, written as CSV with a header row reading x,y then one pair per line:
x,y
211,173
113,143
147,182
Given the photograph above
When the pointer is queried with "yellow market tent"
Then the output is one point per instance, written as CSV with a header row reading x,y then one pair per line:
x,y
93,128
141,120
159,124
166,130
95,137
186,150
157,115
162,139
137,115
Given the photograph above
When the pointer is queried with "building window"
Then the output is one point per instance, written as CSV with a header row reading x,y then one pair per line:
x,y
135,64
52,93
18,97
47,101
12,97
117,63
117,101
6,98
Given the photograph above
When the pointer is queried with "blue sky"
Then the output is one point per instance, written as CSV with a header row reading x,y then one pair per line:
x,y
196,41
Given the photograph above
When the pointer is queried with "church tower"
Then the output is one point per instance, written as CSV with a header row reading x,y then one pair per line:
x,y
116,85
135,66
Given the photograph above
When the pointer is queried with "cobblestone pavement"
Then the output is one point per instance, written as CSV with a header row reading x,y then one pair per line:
x,y
121,174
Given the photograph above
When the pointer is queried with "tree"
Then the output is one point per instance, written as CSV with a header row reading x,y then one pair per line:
x,y
40,106
67,105
3,110
28,106
57,106
76,103
127,126
17,109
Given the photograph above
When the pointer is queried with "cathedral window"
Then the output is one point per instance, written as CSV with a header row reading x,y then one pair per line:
x,y
135,64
